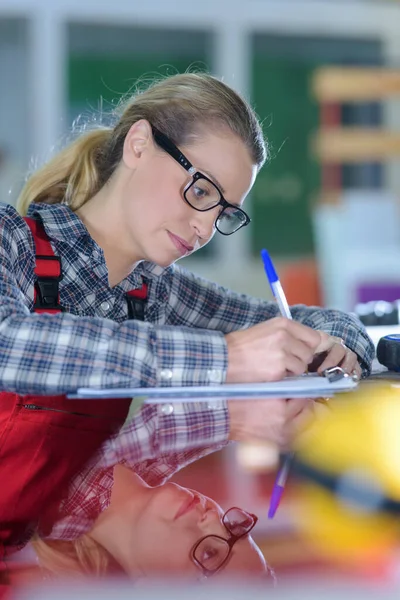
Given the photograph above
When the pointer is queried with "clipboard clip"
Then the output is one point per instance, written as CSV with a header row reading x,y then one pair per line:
x,y
336,373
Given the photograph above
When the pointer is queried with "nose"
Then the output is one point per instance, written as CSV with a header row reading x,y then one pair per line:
x,y
210,521
203,223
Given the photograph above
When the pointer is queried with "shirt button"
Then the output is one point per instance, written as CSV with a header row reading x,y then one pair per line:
x,y
95,255
166,374
167,409
214,375
105,306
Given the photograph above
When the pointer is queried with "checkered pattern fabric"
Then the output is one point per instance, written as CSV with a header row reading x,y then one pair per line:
x,y
93,344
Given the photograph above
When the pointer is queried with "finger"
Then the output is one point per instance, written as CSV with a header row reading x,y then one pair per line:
x,y
327,342
300,350
304,420
357,370
297,426
305,334
306,431
295,366
354,371
350,362
334,358
293,409
294,406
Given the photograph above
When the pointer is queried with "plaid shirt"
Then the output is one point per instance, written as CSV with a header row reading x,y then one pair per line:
x,y
93,344
169,437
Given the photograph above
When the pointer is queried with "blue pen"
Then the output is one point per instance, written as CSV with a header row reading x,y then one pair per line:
x,y
280,298
275,284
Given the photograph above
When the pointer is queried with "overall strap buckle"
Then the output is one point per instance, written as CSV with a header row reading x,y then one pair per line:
x,y
47,270
47,295
136,301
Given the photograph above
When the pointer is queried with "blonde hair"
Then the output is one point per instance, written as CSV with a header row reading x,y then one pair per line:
x,y
175,105
81,557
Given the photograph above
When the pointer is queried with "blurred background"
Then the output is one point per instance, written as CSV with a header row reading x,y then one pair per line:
x,y
323,75
334,142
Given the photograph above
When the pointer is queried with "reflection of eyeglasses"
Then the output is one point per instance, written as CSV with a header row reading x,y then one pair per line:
x,y
211,552
201,193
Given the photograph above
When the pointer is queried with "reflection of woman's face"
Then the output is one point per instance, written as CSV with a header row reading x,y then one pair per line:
x,y
169,524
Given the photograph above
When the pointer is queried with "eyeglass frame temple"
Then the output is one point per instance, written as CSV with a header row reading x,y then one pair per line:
x,y
167,145
172,150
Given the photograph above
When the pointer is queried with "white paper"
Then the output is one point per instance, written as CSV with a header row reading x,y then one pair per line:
x,y
310,385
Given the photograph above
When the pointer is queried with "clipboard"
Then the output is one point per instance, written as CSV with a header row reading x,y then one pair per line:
x,y
310,385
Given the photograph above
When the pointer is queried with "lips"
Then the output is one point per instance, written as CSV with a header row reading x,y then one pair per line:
x,y
180,243
186,506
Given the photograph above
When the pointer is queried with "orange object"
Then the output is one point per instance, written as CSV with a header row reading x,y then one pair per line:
x,y
355,144
300,280
355,84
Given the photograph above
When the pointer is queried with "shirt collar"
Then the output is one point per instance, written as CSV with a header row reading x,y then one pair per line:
x,y
62,224
59,221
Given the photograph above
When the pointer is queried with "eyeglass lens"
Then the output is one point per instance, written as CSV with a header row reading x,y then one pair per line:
x,y
202,195
212,551
237,522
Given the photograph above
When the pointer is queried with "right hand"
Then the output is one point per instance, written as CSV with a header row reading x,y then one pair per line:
x,y
270,350
274,420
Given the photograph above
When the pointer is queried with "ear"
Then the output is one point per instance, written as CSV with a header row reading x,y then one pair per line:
x,y
138,140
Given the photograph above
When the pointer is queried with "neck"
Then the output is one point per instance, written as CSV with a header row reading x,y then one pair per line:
x,y
106,226
129,497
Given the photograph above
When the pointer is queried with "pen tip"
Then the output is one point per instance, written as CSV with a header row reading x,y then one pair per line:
x,y
272,511
275,501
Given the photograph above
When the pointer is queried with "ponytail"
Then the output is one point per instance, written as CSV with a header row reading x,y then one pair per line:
x,y
82,557
72,176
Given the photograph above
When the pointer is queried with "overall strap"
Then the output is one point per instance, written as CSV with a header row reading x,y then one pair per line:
x,y
49,274
136,300
47,270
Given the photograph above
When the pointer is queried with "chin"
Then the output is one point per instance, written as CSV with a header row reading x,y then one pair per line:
x,y
163,261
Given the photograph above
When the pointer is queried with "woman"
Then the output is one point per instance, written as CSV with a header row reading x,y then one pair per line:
x,y
148,532
120,206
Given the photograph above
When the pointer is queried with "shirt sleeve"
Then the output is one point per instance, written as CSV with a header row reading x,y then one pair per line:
x,y
196,302
158,471
59,353
159,429
155,442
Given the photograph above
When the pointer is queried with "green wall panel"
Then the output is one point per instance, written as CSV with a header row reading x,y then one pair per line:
x,y
281,199
93,77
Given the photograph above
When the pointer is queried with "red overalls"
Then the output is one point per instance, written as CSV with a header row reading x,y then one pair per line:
x,y
45,440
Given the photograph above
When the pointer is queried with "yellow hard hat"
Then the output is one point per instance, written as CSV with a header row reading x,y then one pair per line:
x,y
347,470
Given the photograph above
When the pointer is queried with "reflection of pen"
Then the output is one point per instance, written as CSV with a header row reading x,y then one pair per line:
x,y
279,484
280,298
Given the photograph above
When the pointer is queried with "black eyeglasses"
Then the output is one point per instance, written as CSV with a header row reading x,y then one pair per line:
x,y
201,193
211,552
